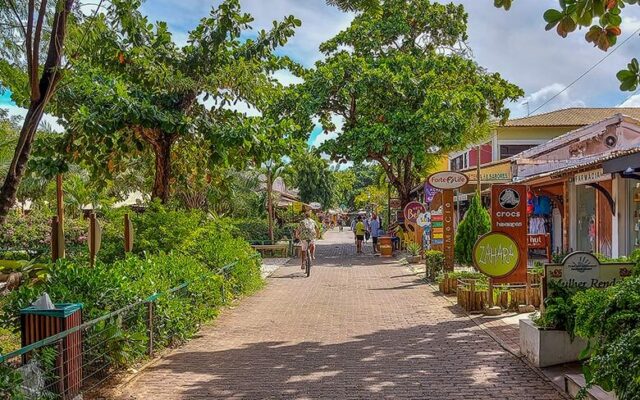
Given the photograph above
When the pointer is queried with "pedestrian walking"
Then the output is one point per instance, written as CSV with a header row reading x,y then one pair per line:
x,y
374,227
359,231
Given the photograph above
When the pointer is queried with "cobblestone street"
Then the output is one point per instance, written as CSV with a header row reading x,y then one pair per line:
x,y
360,327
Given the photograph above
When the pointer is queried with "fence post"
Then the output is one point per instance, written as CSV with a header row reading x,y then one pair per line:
x,y
150,307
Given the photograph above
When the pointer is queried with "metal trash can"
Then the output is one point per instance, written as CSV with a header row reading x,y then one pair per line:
x,y
38,324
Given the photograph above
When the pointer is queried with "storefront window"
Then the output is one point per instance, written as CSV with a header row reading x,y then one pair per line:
x,y
634,213
586,218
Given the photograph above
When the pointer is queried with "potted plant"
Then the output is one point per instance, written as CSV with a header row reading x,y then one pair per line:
x,y
548,338
414,250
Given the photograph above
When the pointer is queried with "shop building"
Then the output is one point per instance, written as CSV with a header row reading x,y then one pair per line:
x,y
583,187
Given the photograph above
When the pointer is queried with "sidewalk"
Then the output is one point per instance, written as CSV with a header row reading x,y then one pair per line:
x,y
360,327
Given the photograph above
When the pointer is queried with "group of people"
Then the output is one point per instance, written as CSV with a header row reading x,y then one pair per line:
x,y
365,228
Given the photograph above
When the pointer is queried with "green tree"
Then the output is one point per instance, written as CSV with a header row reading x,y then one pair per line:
x,y
32,34
405,87
313,178
603,18
134,90
476,222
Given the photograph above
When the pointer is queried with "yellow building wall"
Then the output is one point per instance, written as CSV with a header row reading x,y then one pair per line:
x,y
535,132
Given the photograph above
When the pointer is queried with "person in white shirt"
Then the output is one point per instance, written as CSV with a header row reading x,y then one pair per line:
x,y
374,228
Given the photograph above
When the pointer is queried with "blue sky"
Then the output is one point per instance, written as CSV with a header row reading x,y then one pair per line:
x,y
513,43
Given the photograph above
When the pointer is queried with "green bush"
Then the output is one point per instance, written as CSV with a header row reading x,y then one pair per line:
x,y
559,310
464,275
610,318
434,261
252,229
475,223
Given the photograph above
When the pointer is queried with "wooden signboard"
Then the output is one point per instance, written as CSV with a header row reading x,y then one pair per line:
x,y
509,216
412,212
583,270
446,181
395,203
448,229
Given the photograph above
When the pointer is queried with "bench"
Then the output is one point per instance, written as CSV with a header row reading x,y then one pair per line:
x,y
272,249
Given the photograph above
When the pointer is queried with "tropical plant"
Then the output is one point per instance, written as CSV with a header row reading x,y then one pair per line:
x,y
475,223
401,78
414,248
610,318
312,177
434,262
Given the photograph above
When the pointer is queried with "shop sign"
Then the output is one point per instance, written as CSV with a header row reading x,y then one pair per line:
x,y
424,219
593,176
429,193
447,224
447,180
509,216
492,173
412,211
437,229
496,255
395,202
583,270
537,241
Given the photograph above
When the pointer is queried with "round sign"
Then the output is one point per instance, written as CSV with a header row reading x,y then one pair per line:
x,y
413,210
509,199
496,254
447,180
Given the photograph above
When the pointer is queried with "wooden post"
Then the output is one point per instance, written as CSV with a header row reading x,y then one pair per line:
x,y
92,239
490,292
54,239
128,244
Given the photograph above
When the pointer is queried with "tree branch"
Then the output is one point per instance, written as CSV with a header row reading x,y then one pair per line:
x,y
36,48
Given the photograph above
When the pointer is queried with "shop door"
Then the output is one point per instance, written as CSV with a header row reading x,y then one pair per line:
x,y
586,218
604,221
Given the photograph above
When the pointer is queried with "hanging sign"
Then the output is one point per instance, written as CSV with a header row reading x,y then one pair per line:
x,y
583,270
509,216
429,193
395,203
447,180
496,255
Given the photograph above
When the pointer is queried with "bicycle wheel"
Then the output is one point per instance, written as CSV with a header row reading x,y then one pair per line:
x,y
308,263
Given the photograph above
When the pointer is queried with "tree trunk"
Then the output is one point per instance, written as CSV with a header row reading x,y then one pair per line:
x,y
40,96
20,159
162,150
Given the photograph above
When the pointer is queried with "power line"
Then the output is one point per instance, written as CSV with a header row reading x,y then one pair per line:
x,y
588,70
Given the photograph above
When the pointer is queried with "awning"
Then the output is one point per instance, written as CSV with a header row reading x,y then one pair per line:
x,y
621,164
496,172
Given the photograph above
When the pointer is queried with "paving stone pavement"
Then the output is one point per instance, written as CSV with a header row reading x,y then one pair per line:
x,y
360,327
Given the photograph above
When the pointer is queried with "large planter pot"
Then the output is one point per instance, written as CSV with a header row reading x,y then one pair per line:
x,y
546,347
413,259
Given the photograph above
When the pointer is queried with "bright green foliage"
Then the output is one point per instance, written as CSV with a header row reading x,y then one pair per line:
x,y
405,87
610,318
434,262
476,222
351,182
559,310
133,91
313,178
603,18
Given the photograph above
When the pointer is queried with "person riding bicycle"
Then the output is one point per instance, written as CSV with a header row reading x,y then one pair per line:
x,y
307,233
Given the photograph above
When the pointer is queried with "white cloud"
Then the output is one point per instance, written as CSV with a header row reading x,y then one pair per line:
x,y
46,118
563,99
287,78
633,101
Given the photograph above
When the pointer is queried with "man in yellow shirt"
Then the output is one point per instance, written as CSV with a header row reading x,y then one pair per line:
x,y
360,229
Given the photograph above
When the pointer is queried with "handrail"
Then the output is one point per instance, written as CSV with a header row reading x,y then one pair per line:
x,y
61,335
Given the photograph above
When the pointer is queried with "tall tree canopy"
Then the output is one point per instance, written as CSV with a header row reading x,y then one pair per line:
x,y
133,89
32,42
402,80
313,178
603,18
